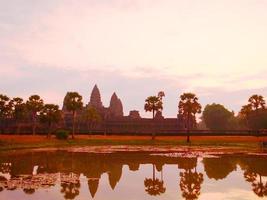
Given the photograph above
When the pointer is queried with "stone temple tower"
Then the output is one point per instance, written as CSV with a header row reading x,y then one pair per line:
x,y
115,106
95,99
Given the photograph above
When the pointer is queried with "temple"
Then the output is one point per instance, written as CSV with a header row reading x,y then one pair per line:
x,y
113,120
115,108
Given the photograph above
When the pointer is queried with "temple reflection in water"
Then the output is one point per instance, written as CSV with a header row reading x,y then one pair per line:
x,y
143,175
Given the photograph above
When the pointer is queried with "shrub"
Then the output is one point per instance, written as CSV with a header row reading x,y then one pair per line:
x,y
62,134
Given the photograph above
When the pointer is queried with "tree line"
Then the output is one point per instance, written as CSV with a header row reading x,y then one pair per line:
x,y
34,111
252,116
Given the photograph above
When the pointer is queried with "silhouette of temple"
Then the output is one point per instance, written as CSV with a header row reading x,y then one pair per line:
x,y
115,108
114,121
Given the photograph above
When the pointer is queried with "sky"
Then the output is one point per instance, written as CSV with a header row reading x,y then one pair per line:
x,y
215,49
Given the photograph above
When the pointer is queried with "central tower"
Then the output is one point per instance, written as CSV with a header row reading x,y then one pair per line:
x,y
95,98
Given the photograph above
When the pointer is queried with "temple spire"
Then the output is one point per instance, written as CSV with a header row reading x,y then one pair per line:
x,y
95,99
115,106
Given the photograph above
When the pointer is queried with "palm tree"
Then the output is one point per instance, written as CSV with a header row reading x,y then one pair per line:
x,y
34,105
188,107
18,111
257,102
73,103
154,104
49,115
90,116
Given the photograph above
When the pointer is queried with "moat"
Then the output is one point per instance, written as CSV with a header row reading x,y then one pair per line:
x,y
133,175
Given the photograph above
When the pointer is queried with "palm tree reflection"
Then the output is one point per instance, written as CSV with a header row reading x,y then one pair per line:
x,y
70,184
153,185
190,182
258,186
254,169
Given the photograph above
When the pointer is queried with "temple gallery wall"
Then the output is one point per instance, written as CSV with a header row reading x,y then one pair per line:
x,y
113,119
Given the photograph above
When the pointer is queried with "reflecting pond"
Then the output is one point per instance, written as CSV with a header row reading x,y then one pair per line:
x,y
131,175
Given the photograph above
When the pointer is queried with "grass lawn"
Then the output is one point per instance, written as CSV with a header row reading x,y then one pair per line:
x,y
12,142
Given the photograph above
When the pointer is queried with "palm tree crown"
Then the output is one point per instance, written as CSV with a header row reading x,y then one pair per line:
x,y
153,103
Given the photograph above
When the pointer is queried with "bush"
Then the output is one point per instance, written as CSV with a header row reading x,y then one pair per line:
x,y
62,134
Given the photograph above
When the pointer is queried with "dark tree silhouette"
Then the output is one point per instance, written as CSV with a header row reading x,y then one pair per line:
x,y
154,104
91,117
4,110
188,107
257,102
244,113
50,114
19,111
34,106
217,117
73,103
254,114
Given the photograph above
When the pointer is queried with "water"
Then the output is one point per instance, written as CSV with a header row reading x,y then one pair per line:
x,y
131,176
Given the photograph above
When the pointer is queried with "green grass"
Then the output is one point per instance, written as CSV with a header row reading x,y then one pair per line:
x,y
108,142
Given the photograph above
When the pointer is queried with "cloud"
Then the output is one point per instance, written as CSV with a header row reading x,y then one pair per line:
x,y
215,49
126,35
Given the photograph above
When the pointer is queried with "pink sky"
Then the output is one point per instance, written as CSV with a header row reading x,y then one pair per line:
x,y
216,49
